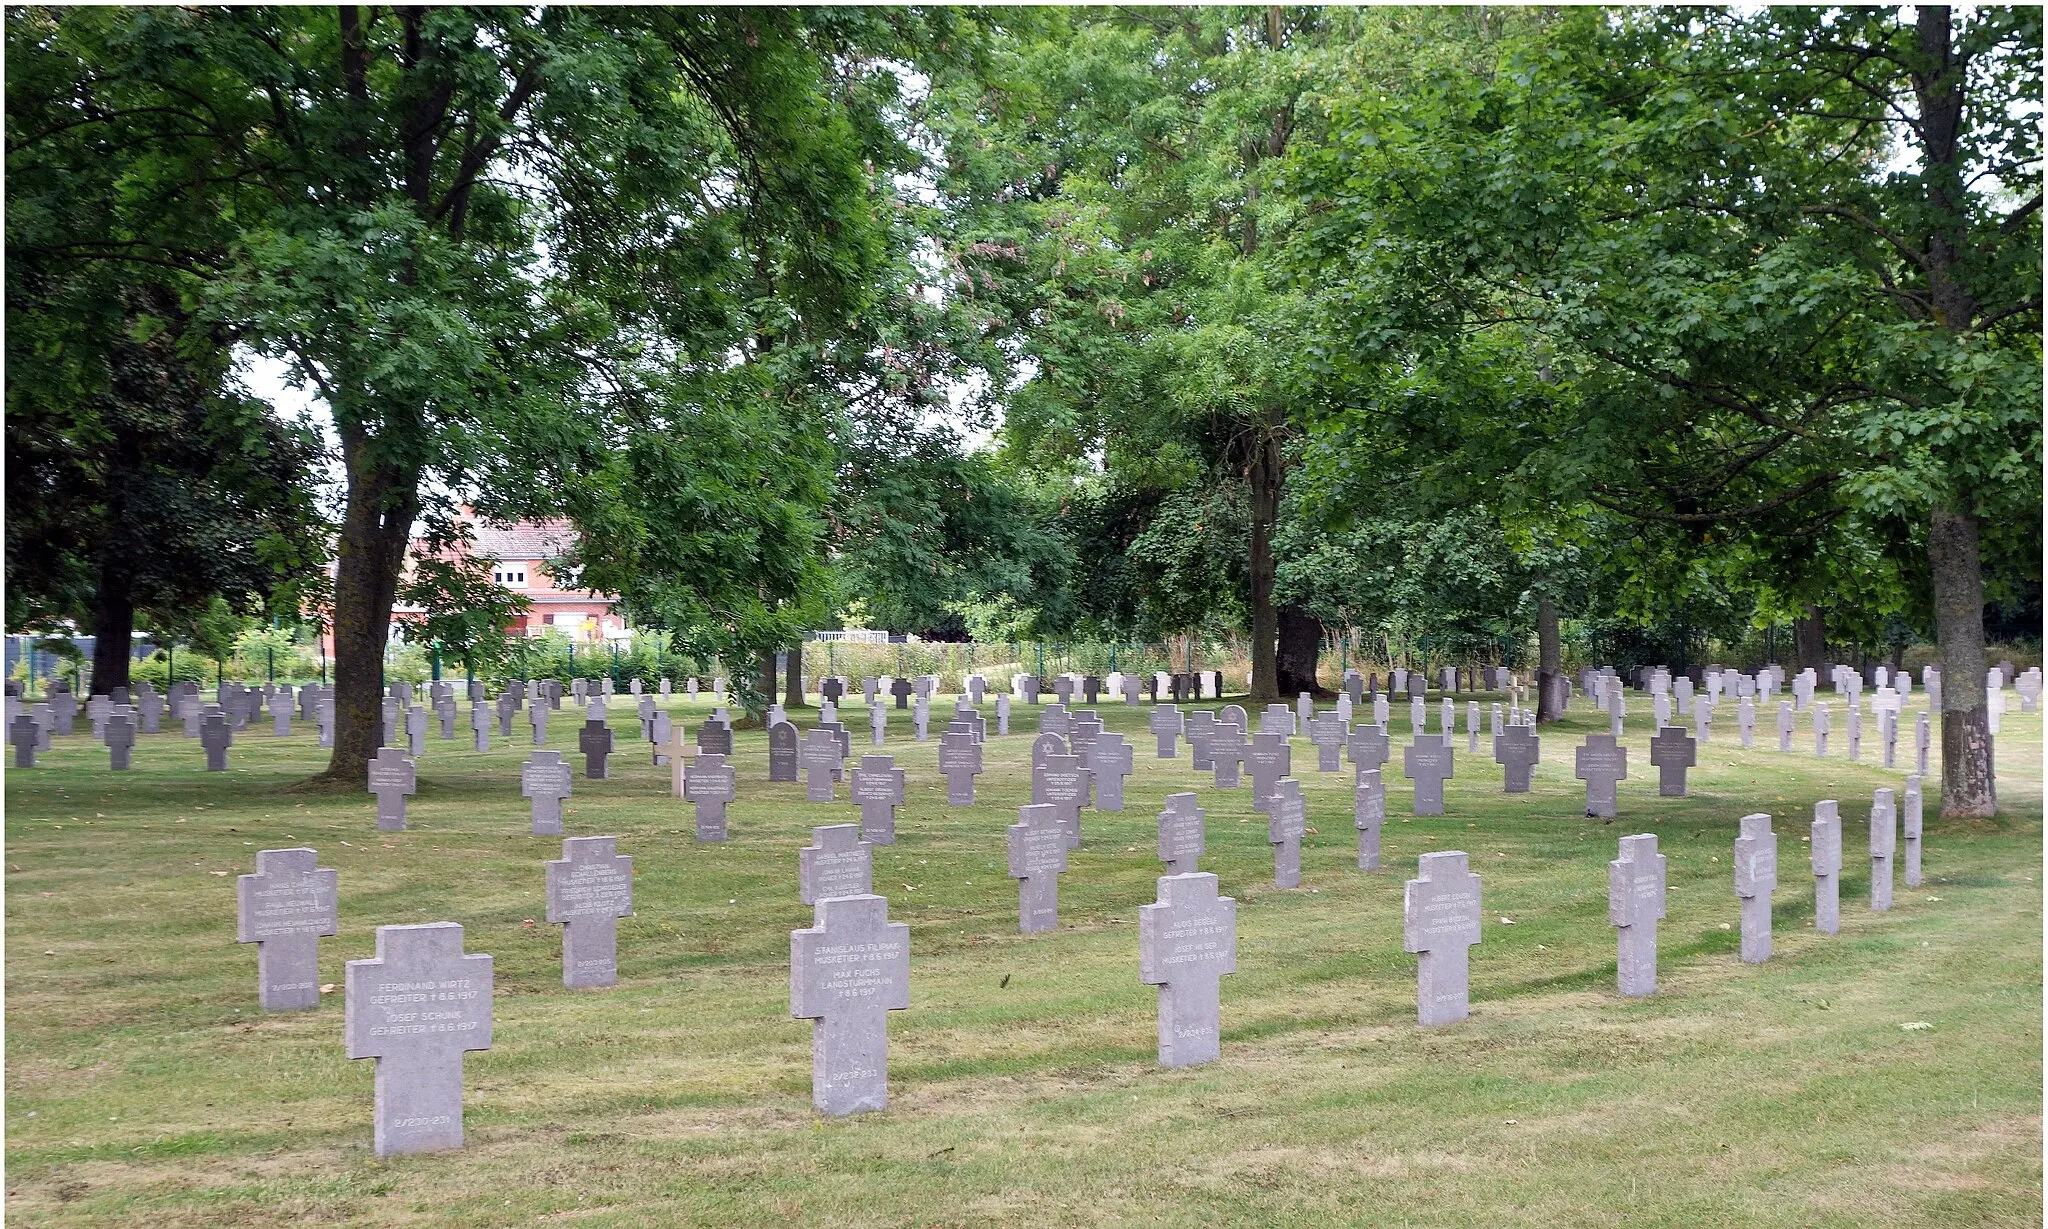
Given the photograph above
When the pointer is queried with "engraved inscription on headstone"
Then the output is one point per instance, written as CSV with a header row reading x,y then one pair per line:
x,y
1441,912
846,974
1635,902
1756,876
1181,835
836,863
1517,750
820,761
1672,751
283,909
711,784
416,1008
391,779
1187,942
545,779
595,741
1427,762
1109,763
1601,764
1038,853
960,763
589,889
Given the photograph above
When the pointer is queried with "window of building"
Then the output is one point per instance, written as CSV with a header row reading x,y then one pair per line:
x,y
510,574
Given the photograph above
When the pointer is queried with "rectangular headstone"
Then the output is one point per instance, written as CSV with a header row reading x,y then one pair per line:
x,y
877,787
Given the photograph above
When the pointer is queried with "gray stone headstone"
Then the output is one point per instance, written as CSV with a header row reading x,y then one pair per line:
x,y
1270,759
1002,713
444,710
960,763
25,734
1063,783
1286,823
323,717
480,726
1200,724
1044,745
1228,750
1826,840
416,1008
537,717
281,713
1756,877
878,724
1109,765
216,735
1328,733
1910,823
1601,764
150,706
1165,725
120,739
782,753
590,887
1884,839
921,718
820,760
1635,903
660,729
847,973
415,731
1181,835
1441,923
1427,762
837,862
1821,726
283,909
1368,747
1187,942
1276,719
1921,727
1672,751
1369,815
1785,725
714,738
878,787
1038,853
711,784
1234,714
546,780
507,707
391,779
1517,750
595,741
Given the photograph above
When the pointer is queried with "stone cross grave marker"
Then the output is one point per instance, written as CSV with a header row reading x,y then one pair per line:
x,y
444,710
1785,724
595,741
507,708
1063,783
1820,730
1165,724
1448,717
1601,764
878,788
1888,734
64,710
1082,737
831,690
1276,719
782,752
1826,840
416,731
1187,942
837,862
710,783
1381,711
1517,750
1635,903
283,909
659,730
1109,765
1091,689
281,713
120,738
1304,710
1055,719
24,733
151,706
1002,713
545,779
1368,748
921,717
1227,752
1200,724
1181,834
1286,823
1884,839
1418,715
480,726
1745,722
847,972
1672,751
1855,731
878,723
820,758
680,750
1038,853
1441,922
1427,762
392,777
1369,815
1270,759
416,1008
589,889
216,736
1756,877
960,762
901,689
323,718
1328,733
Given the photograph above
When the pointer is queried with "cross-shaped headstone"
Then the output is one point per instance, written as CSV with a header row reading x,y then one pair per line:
x,y
1276,719
283,909
1909,822
960,761
545,779
25,734
1002,713
1672,751
1328,733
782,752
921,718
444,709
281,714
1369,815
878,787
1427,762
1601,764
216,735
837,862
1063,783
537,717
590,887
847,973
1822,725
1756,876
878,723
151,707
1228,749
1785,725
416,1008
1855,716
1271,758
658,732
1884,839
1201,723
1517,750
1109,763
1165,724
480,726
392,777
415,722
595,741
1635,902
120,739
680,751
820,758
711,783
1187,943
1368,747
1745,721
1181,834
1286,823
63,709
1038,853
1441,922
1826,839
901,689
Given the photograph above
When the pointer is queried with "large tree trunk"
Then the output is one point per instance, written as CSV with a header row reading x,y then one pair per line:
x,y
1549,663
1967,784
767,682
376,528
793,677
113,630
1294,659
1810,641
1263,479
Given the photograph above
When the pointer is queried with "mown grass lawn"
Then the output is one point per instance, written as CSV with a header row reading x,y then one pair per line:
x,y
146,1088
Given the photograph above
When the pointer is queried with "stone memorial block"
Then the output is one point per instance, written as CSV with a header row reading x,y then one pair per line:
x,y
837,862
1635,903
1109,764
847,973
1063,783
1328,733
1165,724
1441,922
1427,762
1671,753
1617,710
1825,838
782,753
120,740
416,1008
679,752
1368,747
216,736
1228,750
877,786
284,909
1884,837
828,712
820,757
1286,823
1181,834
1369,815
1601,764
1187,942
711,783
1517,750
665,689
1756,877
595,741
1038,853
589,889
1271,758
960,763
